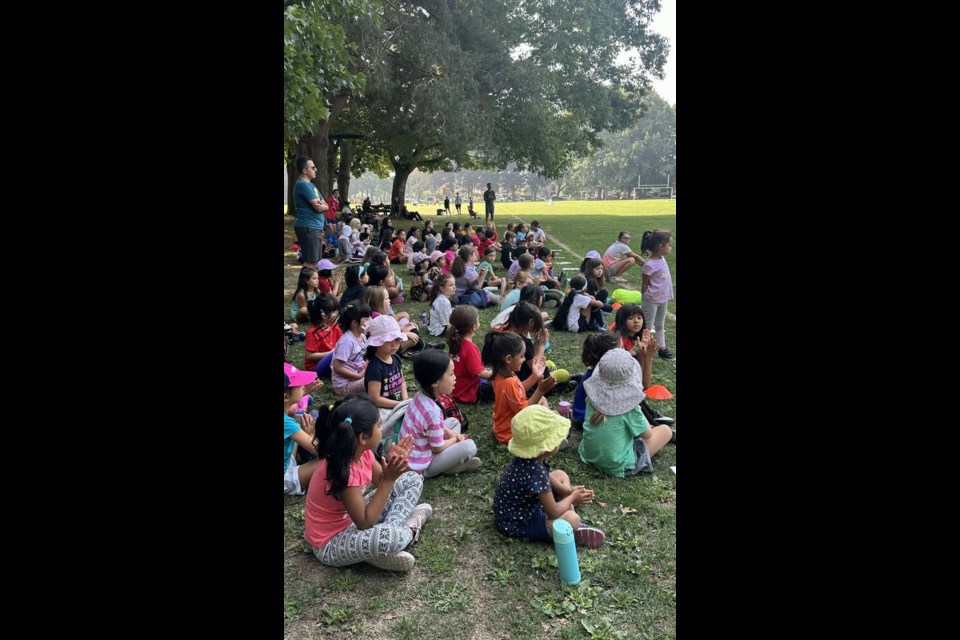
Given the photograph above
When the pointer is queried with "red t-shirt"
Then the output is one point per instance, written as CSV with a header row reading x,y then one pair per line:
x,y
320,340
325,285
333,208
486,242
466,366
629,345
395,249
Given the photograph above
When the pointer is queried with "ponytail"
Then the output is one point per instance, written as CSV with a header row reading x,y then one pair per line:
x,y
336,431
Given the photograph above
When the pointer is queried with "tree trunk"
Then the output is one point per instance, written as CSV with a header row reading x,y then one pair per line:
x,y
316,147
343,174
292,177
332,166
401,173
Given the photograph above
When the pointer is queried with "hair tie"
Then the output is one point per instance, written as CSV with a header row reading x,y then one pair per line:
x,y
348,420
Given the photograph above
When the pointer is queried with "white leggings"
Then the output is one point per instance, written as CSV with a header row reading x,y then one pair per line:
x,y
387,537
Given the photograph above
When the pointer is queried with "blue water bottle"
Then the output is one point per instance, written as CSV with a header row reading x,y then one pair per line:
x,y
566,549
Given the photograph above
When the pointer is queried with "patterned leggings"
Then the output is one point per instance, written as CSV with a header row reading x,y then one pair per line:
x,y
388,536
352,387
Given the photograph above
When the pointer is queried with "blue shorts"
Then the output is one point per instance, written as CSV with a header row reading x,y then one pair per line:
x,y
537,527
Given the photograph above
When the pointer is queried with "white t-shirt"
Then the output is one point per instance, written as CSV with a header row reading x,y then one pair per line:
x,y
440,312
580,302
615,253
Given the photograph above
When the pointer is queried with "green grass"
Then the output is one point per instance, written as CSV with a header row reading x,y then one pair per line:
x,y
469,579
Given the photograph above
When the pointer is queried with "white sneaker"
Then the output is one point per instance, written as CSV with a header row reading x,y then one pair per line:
x,y
470,465
401,561
564,444
417,517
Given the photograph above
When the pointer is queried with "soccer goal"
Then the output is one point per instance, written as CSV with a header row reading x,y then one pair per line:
x,y
646,191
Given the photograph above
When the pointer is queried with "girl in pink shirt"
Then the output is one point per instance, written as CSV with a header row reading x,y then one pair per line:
x,y
341,526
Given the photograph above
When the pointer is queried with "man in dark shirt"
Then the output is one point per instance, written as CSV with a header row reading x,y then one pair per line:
x,y
488,197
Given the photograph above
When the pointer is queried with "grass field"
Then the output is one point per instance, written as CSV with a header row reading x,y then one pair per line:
x,y
471,582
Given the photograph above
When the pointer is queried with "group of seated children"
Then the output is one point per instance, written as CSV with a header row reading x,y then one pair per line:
x,y
357,341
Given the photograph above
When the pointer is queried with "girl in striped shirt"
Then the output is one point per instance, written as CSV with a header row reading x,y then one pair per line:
x,y
438,445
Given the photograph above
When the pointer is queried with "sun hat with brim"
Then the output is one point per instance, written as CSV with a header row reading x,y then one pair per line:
x,y
383,329
436,255
293,377
593,254
536,429
615,386
325,264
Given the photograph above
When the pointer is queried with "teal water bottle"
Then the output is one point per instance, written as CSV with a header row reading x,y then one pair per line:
x,y
566,549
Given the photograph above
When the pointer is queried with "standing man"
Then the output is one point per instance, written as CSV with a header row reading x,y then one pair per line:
x,y
309,206
446,204
457,202
333,207
488,197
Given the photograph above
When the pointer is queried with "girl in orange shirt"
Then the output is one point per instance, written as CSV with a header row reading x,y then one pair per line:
x,y
503,352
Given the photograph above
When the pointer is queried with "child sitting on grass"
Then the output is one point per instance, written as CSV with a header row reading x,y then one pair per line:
x,y
341,526
525,504
617,439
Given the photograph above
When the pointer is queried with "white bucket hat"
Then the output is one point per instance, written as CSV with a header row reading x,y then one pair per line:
x,y
615,386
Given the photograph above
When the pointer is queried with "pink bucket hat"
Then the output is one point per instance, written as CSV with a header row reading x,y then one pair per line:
x,y
383,329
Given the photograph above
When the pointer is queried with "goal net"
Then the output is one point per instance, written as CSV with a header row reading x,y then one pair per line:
x,y
647,191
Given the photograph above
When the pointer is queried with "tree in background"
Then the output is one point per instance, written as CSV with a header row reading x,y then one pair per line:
x,y
322,69
486,83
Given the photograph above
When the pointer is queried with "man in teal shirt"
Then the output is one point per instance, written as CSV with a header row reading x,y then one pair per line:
x,y
309,206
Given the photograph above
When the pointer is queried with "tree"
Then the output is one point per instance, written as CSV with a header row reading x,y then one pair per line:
x,y
646,151
322,68
483,83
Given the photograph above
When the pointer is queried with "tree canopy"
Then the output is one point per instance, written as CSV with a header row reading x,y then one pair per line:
x,y
467,84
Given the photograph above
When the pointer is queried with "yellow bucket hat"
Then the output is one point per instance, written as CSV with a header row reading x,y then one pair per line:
x,y
536,429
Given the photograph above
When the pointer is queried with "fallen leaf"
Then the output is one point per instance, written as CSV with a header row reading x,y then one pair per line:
x,y
625,510
545,625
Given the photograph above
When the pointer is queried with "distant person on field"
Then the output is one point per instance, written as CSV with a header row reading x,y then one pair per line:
x,y
488,198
